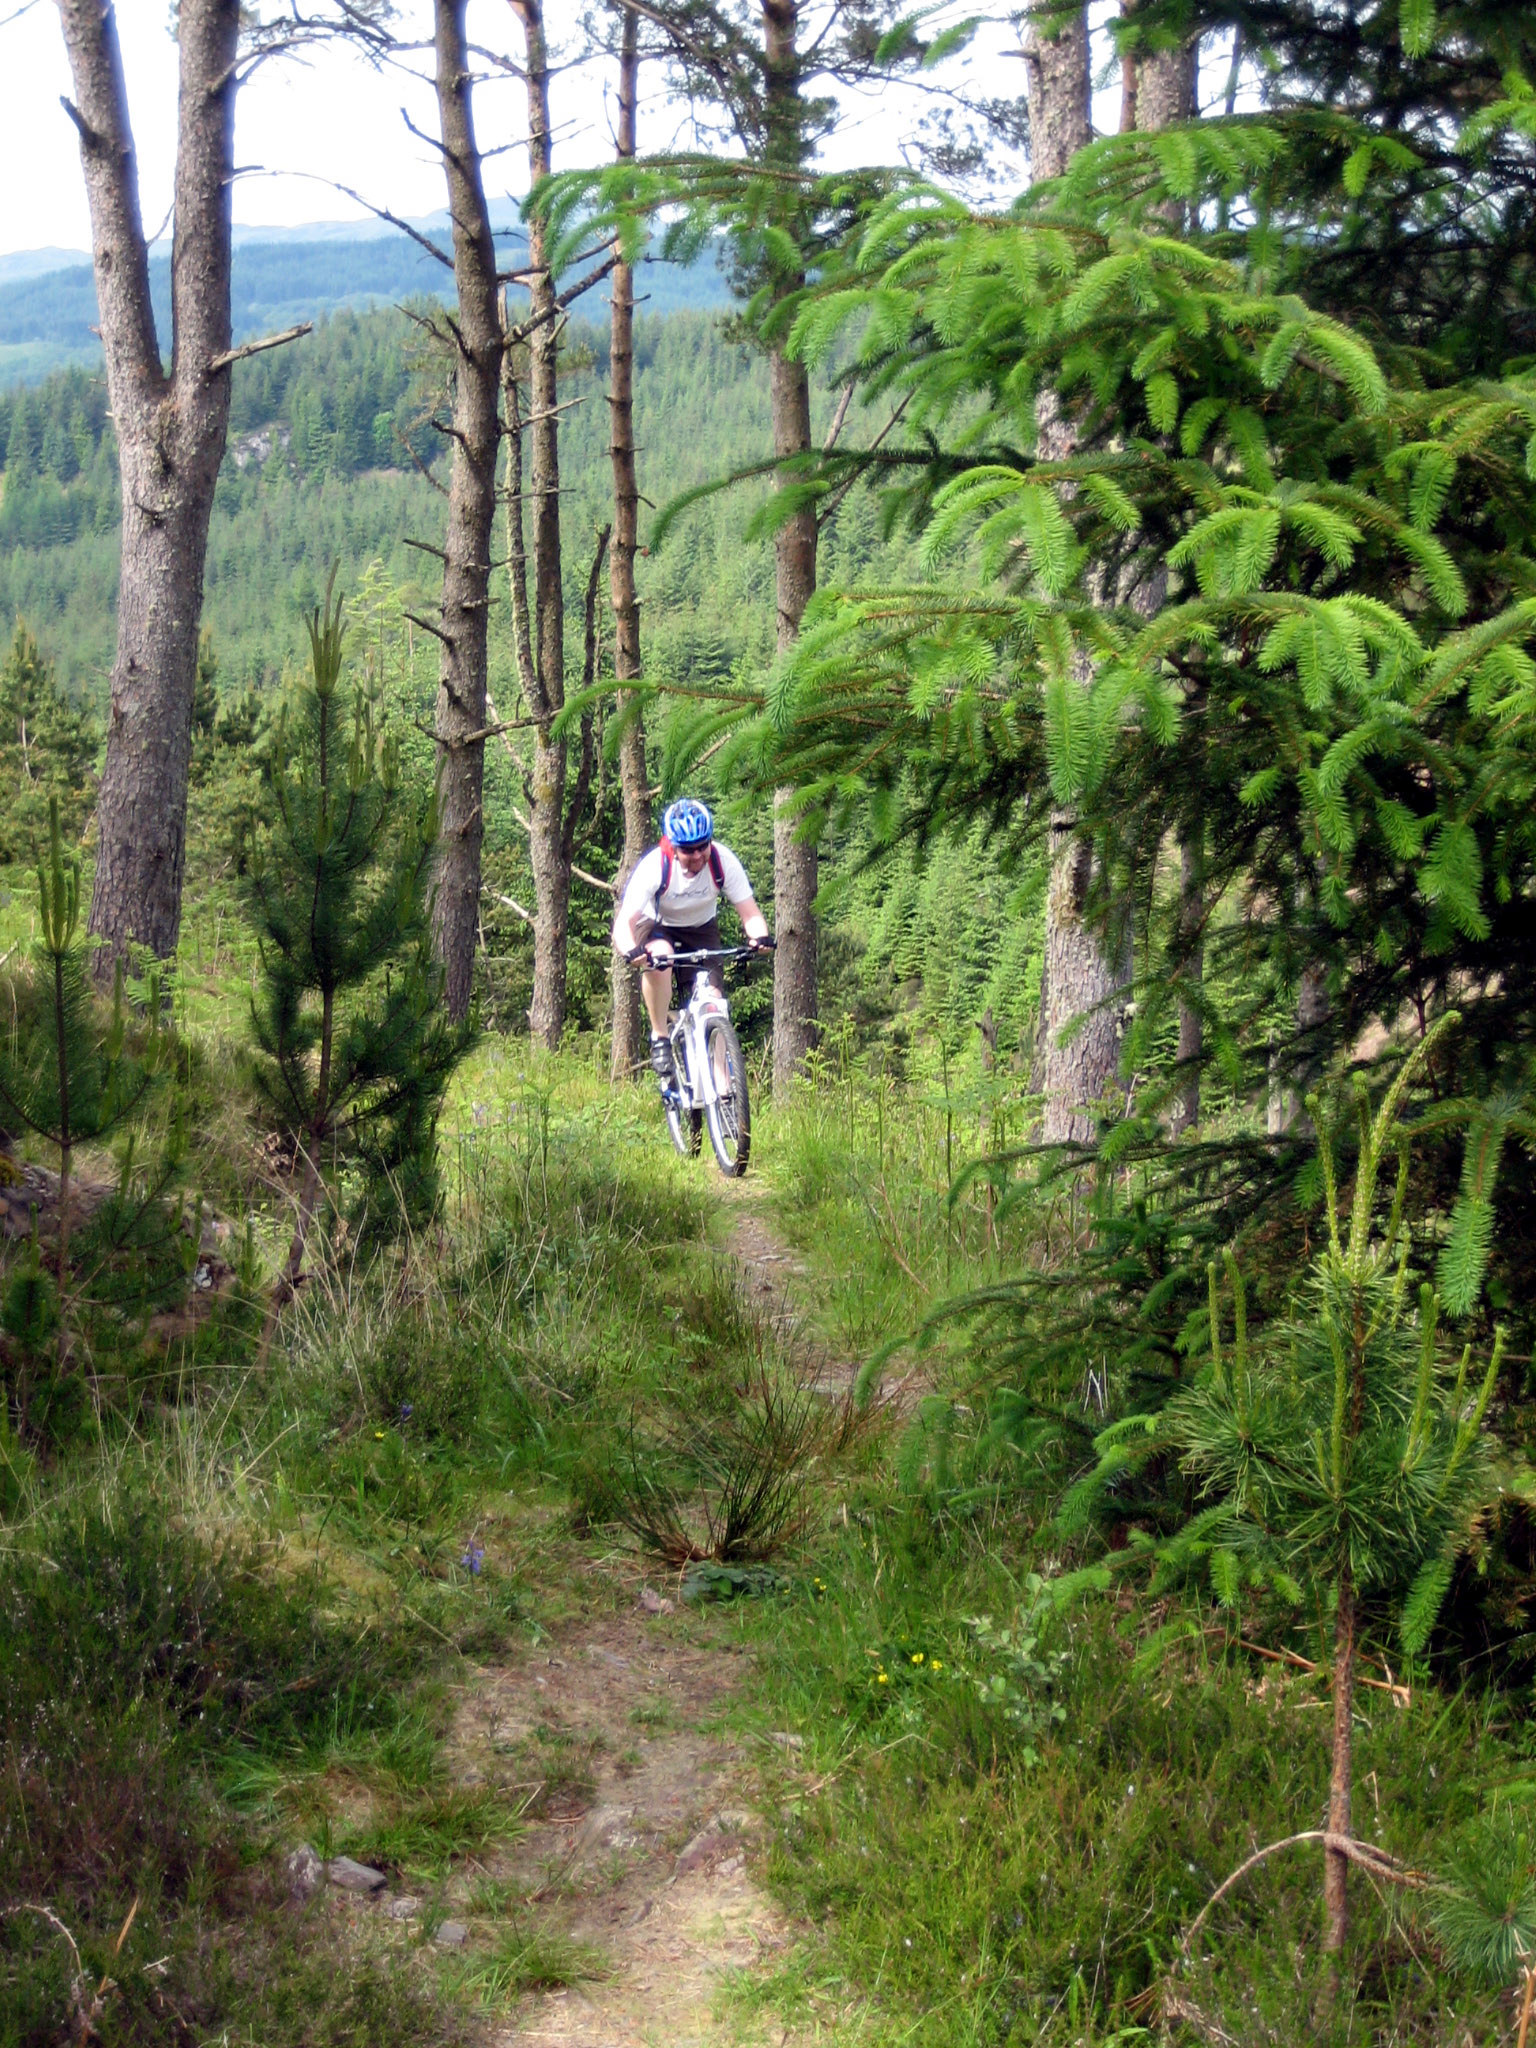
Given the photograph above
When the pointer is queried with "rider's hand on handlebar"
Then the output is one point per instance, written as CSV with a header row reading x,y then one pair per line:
x,y
760,942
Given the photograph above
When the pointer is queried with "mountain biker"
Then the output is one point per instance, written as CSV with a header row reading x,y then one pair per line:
x,y
671,905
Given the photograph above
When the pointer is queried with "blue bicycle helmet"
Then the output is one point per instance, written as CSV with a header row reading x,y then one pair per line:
x,y
687,823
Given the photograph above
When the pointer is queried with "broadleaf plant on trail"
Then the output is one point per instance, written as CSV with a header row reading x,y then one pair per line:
x,y
354,1048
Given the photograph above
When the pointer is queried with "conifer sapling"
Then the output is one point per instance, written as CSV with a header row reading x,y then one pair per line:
x,y
1340,1460
354,1051
65,1076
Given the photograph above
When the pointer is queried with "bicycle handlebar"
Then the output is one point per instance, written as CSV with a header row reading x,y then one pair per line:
x,y
697,959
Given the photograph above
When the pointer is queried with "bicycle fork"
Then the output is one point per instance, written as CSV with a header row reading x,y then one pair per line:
x,y
688,1036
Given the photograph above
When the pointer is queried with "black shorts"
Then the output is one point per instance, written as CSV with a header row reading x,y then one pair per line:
x,y
687,938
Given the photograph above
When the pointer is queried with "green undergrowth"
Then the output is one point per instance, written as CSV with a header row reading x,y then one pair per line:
x,y
234,1614
1001,1831
1005,1818
239,1614
878,1179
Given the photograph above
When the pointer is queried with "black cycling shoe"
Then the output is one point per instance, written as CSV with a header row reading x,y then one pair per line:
x,y
663,1065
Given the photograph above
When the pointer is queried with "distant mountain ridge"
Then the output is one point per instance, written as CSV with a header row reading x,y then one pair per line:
x,y
47,315
39,262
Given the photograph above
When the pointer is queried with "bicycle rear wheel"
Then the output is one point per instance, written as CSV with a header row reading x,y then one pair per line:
x,y
730,1114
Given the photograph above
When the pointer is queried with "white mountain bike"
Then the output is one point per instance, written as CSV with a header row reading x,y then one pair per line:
x,y
711,1073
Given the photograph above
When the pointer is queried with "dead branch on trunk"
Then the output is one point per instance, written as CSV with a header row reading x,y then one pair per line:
x,y
257,348
1375,1862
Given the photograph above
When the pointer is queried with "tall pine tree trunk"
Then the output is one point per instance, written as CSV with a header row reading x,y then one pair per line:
x,y
794,862
1164,88
1087,965
547,839
170,433
1160,90
794,549
1158,87
1078,1047
1057,88
461,691
628,1044
1186,1106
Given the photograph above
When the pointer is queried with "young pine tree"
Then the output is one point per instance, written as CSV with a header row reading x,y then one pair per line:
x,y
47,752
1339,1460
354,1050
65,1076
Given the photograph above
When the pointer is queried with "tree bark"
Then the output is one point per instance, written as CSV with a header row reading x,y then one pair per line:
x,y
461,691
1078,1045
1164,89
1186,1107
1341,1780
545,688
1288,1092
171,429
1087,966
628,1046
794,551
1160,90
1056,82
794,861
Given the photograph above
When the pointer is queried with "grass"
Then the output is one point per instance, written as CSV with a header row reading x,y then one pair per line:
x,y
988,1883
423,1837
526,1958
1002,1842
227,1618
242,1608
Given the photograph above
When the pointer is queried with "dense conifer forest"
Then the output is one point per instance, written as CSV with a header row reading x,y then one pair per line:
x,y
970,1481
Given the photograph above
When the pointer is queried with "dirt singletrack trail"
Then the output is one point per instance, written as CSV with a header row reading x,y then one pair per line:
x,y
643,1843
774,1280
645,1859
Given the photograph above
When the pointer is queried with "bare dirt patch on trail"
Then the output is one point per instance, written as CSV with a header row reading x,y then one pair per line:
x,y
641,1839
641,1833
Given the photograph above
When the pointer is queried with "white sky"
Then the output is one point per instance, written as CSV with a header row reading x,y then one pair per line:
x,y
329,117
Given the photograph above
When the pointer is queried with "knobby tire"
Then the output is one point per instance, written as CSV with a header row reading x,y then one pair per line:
x,y
687,1128
730,1118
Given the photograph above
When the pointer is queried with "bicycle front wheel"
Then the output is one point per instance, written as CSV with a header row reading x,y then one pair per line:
x,y
729,1115
687,1128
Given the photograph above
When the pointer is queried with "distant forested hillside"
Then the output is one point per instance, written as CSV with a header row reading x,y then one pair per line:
x,y
331,459
48,321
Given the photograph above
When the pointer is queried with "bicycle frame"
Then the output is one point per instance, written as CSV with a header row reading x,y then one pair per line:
x,y
696,1078
700,1095
694,1070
